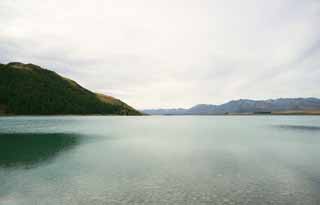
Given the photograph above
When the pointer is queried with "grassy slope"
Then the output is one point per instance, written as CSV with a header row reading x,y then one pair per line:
x,y
27,89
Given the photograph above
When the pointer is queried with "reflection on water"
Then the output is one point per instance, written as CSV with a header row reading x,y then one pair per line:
x,y
299,127
30,149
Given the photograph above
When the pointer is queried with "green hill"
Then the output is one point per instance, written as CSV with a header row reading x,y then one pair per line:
x,y
27,89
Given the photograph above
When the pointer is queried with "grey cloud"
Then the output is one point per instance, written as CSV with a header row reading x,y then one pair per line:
x,y
170,53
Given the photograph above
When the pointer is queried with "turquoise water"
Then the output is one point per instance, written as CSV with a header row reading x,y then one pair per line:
x,y
160,160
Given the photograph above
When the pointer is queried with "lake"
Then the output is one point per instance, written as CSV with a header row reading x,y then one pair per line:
x,y
160,160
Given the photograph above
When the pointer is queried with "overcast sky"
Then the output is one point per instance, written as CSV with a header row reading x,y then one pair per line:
x,y
170,53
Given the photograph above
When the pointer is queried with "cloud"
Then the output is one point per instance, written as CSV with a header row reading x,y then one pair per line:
x,y
173,53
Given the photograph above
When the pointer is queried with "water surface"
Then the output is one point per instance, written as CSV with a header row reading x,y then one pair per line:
x,y
160,160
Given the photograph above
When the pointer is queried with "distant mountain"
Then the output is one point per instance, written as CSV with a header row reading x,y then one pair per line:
x,y
173,111
245,106
27,89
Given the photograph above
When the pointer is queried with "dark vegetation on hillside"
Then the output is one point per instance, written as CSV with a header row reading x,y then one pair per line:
x,y
27,89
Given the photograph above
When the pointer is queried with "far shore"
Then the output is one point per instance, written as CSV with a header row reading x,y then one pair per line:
x,y
278,113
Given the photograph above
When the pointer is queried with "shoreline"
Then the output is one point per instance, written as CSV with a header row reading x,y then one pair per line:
x,y
147,115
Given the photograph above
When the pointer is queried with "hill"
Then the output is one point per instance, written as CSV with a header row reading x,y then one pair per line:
x,y
27,89
244,106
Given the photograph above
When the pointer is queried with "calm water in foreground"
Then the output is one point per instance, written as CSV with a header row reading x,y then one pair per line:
x,y
160,160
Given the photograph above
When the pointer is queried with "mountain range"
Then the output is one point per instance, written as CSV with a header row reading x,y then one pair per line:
x,y
28,89
246,106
